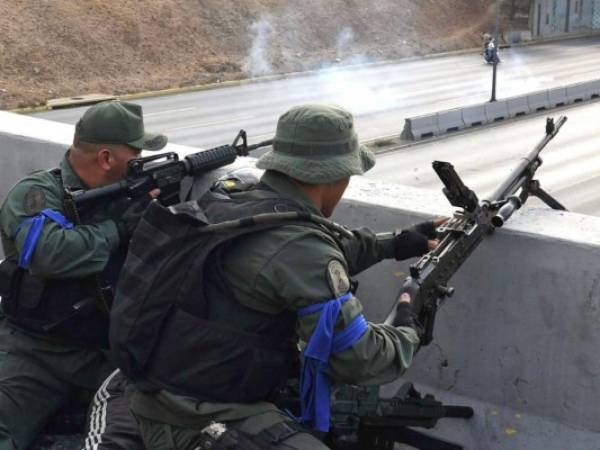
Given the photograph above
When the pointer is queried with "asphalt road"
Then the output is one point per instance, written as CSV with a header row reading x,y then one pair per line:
x,y
484,158
380,96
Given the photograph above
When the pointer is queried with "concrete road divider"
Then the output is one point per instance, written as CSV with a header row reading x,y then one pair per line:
x,y
538,101
496,111
594,88
421,127
449,121
517,106
579,92
442,122
557,97
473,116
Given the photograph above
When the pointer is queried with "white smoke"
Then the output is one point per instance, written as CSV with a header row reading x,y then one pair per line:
x,y
345,86
341,84
514,77
519,79
337,81
343,41
257,63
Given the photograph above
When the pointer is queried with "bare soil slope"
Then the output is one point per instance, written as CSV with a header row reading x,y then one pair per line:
x,y
58,48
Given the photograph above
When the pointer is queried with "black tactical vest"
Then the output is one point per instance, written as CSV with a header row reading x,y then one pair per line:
x,y
68,309
161,333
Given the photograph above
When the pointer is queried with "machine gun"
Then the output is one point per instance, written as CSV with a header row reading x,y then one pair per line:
x,y
361,419
165,171
429,277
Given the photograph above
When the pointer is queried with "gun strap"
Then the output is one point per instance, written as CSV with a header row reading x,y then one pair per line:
x,y
72,214
275,218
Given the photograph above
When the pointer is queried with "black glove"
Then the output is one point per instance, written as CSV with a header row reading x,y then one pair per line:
x,y
427,229
406,314
128,221
408,244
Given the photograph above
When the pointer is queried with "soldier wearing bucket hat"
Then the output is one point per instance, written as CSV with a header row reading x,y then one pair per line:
x,y
53,325
279,281
317,144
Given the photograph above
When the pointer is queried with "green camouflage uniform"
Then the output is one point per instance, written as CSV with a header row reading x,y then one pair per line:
x,y
288,268
39,373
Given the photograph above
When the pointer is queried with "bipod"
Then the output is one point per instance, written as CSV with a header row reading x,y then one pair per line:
x,y
408,408
536,190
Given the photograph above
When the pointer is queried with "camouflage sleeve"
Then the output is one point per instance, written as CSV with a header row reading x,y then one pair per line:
x,y
366,248
300,275
59,252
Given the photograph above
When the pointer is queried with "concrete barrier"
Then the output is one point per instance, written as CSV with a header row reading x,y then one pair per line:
x,y
538,101
517,106
517,342
557,97
594,88
421,127
474,116
579,92
496,111
449,121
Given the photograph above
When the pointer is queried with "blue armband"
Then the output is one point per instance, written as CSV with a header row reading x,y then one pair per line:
x,y
35,231
315,386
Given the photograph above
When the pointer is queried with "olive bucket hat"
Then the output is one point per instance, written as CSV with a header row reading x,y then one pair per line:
x,y
317,144
116,122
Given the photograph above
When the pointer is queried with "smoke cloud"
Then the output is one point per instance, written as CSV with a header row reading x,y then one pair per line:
x,y
257,62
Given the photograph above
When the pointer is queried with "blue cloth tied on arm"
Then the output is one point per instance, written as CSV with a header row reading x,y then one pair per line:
x,y
35,231
315,386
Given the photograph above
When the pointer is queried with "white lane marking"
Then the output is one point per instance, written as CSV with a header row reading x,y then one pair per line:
x,y
169,111
209,124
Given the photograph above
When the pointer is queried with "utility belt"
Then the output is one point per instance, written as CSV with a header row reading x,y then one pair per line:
x,y
59,308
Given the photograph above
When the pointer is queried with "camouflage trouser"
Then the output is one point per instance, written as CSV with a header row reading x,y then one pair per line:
x,y
37,377
160,436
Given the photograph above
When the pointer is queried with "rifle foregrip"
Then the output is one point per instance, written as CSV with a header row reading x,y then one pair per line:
x,y
210,159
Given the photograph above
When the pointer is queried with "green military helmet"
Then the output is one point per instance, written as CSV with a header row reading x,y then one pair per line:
x,y
317,144
117,122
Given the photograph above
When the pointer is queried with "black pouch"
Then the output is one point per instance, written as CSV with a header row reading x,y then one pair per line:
x,y
31,290
18,288
10,275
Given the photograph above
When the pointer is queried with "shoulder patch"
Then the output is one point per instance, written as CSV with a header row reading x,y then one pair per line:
x,y
337,278
34,201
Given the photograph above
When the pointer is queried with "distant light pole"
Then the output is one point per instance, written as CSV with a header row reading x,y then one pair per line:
x,y
495,54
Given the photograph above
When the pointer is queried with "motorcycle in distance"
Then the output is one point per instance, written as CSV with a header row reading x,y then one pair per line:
x,y
490,54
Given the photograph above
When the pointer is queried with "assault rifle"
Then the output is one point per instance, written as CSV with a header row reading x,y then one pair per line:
x,y
362,420
429,277
165,171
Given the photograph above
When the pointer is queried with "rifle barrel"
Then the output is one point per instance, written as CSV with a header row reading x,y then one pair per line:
x,y
512,183
260,144
104,191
